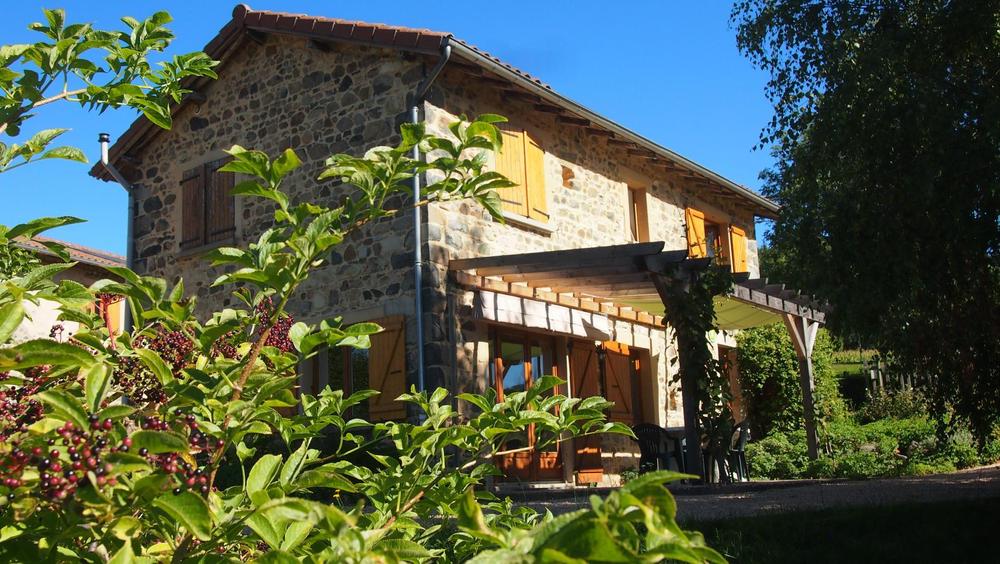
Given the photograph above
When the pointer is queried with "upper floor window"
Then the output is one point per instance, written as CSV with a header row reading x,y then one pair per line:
x,y
637,215
708,238
522,160
208,208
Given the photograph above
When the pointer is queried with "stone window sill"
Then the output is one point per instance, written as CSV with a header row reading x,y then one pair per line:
x,y
202,249
518,220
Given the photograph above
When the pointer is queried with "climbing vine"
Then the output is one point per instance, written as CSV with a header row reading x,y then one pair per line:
x,y
690,311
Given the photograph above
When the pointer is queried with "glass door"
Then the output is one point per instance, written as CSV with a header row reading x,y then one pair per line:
x,y
518,361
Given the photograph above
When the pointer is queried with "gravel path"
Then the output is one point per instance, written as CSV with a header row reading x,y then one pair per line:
x,y
741,500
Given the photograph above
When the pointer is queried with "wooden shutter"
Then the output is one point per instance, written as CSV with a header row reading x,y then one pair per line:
x,y
584,375
116,314
638,214
534,164
697,243
738,240
193,209
618,382
220,222
387,370
510,163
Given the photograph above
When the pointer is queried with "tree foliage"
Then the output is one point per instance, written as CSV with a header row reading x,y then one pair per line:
x,y
149,445
887,139
96,69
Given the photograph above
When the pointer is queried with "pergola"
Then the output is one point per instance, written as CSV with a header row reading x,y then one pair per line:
x,y
630,281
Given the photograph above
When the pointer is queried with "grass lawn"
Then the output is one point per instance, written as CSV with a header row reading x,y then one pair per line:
x,y
963,531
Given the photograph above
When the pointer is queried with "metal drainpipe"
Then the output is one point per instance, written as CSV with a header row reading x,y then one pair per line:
x,y
104,139
418,258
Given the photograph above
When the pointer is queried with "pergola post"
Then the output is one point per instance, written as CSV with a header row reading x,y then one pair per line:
x,y
689,372
803,332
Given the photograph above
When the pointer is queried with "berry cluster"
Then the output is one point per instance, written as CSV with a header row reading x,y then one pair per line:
x,y
278,337
60,473
202,447
139,384
18,408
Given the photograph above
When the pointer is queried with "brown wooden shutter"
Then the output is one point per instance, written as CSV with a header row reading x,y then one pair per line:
x,y
697,243
510,163
193,209
618,382
534,165
584,375
387,370
738,240
220,223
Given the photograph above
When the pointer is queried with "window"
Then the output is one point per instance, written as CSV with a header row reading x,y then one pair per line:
x,y
522,160
208,208
716,240
637,215
381,367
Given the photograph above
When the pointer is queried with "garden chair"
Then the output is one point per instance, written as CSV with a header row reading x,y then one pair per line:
x,y
737,452
653,447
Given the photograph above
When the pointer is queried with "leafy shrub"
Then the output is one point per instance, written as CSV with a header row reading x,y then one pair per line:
x,y
898,404
87,476
769,376
887,447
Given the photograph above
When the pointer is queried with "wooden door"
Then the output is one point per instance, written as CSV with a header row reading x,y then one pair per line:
x,y
585,377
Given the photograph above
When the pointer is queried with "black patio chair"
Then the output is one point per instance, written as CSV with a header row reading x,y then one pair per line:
x,y
653,449
737,452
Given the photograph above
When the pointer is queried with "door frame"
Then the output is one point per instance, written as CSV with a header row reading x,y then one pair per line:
x,y
540,465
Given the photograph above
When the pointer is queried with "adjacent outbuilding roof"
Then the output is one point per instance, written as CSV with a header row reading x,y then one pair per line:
x,y
77,253
471,59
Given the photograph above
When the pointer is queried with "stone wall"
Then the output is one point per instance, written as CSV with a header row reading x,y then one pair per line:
x,y
271,96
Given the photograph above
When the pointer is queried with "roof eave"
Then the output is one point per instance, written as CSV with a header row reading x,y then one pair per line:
x,y
467,52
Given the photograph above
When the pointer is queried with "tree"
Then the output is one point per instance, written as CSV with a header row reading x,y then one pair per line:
x,y
151,445
887,140
96,69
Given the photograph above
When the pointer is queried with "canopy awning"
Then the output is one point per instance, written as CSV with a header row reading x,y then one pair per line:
x,y
619,281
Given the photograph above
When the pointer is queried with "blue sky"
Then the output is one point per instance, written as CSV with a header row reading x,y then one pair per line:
x,y
668,70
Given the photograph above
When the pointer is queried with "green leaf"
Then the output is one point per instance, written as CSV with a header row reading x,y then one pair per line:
x,y
66,405
159,442
96,382
190,510
124,554
44,351
262,473
156,365
277,557
285,163
10,319
404,550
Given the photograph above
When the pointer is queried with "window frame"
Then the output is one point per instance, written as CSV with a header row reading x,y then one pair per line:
x,y
207,174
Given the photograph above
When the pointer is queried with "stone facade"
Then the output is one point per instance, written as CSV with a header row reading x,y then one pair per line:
x,y
347,98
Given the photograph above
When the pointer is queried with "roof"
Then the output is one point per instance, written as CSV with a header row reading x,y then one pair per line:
x,y
472,58
77,253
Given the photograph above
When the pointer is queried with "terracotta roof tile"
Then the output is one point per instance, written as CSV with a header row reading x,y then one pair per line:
x,y
78,253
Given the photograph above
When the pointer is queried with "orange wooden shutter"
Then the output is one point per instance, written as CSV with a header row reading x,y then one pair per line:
x,y
618,383
193,209
584,375
534,161
387,370
697,243
510,163
115,316
738,240
220,222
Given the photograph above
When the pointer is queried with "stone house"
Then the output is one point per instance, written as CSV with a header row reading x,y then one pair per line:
x,y
324,86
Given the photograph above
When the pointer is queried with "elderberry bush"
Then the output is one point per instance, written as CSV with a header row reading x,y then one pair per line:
x,y
111,445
